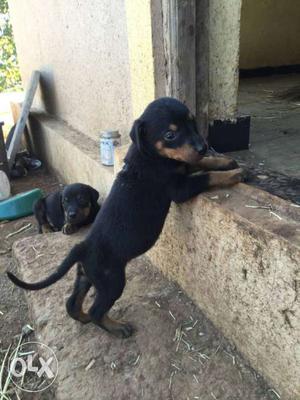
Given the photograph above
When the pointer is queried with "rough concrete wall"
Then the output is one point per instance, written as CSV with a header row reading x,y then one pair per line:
x,y
270,33
243,277
224,31
81,48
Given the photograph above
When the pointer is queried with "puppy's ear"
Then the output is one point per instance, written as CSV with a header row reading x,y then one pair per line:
x,y
136,134
94,195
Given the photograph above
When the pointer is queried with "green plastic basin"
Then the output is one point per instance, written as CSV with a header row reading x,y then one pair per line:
x,y
20,205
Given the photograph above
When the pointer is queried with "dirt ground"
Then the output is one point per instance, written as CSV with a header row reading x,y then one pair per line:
x,y
201,365
12,301
13,305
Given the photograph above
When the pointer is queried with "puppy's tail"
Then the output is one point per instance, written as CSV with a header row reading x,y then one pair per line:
x,y
76,254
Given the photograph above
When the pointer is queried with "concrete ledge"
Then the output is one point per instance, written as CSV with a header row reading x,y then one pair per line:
x,y
239,264
73,156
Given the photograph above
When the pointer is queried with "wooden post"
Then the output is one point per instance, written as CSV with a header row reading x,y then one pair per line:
x,y
201,43
202,65
179,20
16,140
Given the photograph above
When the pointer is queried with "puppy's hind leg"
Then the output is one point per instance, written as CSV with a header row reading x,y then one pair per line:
x,y
74,303
110,289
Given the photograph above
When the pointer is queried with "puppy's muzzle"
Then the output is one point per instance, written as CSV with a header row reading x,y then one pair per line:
x,y
72,215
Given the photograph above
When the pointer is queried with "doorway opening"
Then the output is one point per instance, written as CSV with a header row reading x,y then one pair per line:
x,y
269,91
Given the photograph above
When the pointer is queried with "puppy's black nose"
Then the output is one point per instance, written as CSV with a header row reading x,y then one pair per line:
x,y
202,149
71,214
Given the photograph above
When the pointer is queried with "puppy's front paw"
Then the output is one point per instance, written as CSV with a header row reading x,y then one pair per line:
x,y
231,164
123,331
119,329
45,228
237,175
68,229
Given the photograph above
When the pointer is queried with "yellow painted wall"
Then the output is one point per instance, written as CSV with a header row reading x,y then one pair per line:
x,y
270,33
138,13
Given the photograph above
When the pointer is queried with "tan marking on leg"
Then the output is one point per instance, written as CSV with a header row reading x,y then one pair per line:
x,y
82,316
217,163
46,228
79,314
225,178
116,328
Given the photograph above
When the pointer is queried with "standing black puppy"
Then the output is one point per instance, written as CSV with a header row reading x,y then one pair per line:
x,y
165,142
67,210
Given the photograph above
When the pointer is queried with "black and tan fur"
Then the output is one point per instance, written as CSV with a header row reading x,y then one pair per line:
x,y
165,144
68,209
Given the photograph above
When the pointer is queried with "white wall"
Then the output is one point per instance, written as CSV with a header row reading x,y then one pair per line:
x,y
82,51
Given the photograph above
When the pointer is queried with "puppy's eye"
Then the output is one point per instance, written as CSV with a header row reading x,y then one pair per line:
x,y
81,200
170,135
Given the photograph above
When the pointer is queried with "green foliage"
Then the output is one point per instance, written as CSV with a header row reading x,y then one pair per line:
x,y
10,78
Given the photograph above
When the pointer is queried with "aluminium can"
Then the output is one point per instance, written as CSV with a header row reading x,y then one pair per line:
x,y
108,141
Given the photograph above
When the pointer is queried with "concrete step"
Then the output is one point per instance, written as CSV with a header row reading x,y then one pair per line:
x,y
239,264
158,362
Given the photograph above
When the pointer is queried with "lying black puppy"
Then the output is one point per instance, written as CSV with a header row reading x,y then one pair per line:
x,y
67,210
165,142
